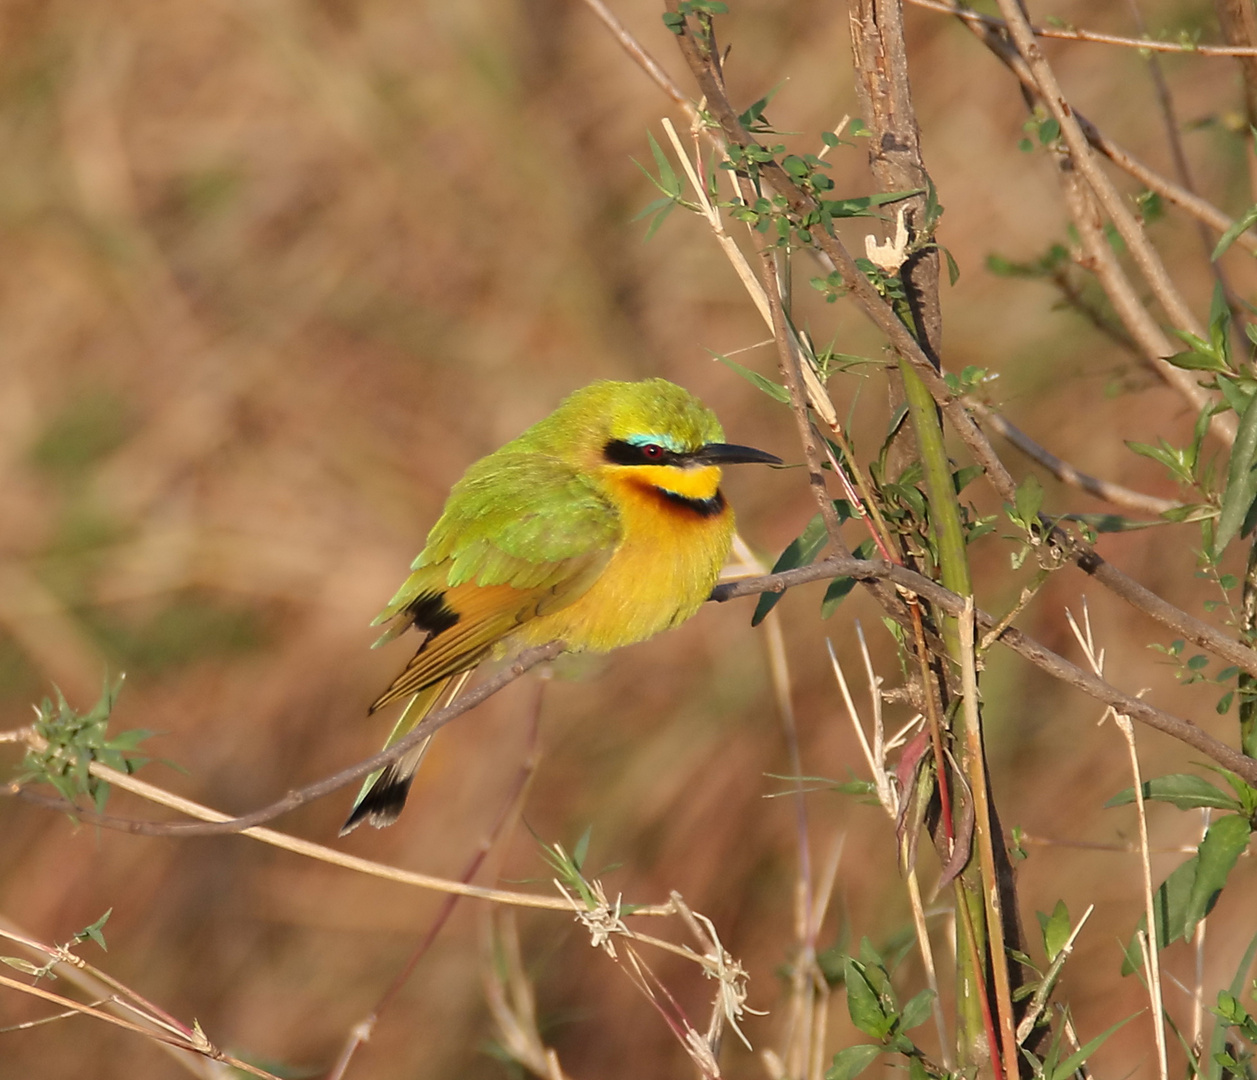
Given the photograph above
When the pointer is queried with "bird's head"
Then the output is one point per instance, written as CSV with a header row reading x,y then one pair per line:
x,y
651,434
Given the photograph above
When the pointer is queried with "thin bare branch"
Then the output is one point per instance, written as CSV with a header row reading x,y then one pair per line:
x,y
1173,193
524,662
199,1045
1115,206
306,847
1055,665
1070,33
1066,473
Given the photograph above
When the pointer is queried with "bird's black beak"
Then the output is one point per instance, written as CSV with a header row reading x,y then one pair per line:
x,y
728,454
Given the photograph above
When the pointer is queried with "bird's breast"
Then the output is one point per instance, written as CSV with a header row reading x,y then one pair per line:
x,y
672,546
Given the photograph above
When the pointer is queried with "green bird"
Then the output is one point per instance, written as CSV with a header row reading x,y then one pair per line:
x,y
599,526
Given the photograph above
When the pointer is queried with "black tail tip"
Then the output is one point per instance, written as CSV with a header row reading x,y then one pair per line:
x,y
381,805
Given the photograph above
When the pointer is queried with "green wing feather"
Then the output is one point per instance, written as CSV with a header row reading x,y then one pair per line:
x,y
517,519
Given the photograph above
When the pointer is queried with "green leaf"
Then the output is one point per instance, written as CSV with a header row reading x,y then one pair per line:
x,y
659,219
855,787
874,967
863,1003
1183,790
1028,499
92,933
1244,791
24,966
1217,1042
582,847
840,588
1160,454
668,180
774,390
1236,393
1194,361
863,207
1113,523
795,166
1070,1065
1226,839
755,114
966,475
801,551
852,1061
1056,929
917,1010
1169,906
1220,325
1241,481
1247,221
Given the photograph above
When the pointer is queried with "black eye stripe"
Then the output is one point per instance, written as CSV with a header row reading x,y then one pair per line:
x,y
619,452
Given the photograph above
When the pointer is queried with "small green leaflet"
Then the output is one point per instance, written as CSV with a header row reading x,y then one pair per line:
x,y
840,588
1241,480
774,390
1233,233
852,1061
1183,790
93,932
1223,843
1070,1065
1056,929
917,1010
1217,1043
864,1004
801,551
1169,905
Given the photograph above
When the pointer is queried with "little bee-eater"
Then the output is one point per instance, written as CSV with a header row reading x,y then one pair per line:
x,y
600,526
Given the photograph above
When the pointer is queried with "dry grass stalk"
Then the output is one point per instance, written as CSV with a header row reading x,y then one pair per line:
x,y
1148,940
321,853
1039,1000
888,795
512,1003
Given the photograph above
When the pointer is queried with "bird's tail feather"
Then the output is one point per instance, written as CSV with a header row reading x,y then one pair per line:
x,y
381,802
383,794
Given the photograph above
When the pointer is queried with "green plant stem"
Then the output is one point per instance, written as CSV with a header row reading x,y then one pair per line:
x,y
1247,682
975,1025
940,490
984,822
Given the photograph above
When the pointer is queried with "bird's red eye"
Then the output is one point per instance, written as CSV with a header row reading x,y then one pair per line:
x,y
652,452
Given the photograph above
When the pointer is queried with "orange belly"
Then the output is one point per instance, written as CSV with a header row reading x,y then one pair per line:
x,y
660,574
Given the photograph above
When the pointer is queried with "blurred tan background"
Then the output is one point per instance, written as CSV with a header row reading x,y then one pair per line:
x,y
274,273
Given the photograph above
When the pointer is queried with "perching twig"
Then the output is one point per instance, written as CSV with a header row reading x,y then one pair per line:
x,y
214,824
